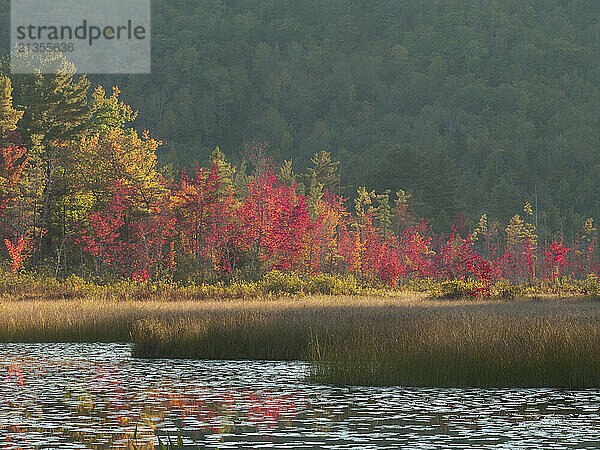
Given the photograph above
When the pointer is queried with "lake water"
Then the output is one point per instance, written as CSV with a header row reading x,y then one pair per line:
x,y
71,396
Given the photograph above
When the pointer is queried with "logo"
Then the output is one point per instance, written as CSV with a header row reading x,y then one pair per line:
x,y
97,37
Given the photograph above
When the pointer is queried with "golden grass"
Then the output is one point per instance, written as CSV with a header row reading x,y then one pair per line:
x,y
403,339
92,319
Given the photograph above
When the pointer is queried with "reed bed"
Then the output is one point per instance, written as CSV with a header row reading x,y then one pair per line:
x,y
80,320
421,343
397,340
461,351
92,318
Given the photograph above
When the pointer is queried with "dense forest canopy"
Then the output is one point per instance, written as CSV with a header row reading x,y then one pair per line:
x,y
474,106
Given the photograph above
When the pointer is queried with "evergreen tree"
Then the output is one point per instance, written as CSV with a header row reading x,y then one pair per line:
x,y
55,112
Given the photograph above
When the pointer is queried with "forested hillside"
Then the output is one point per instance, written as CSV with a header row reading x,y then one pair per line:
x,y
474,106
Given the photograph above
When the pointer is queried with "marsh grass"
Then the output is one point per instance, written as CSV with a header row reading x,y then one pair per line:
x,y
458,351
489,344
81,320
101,318
402,340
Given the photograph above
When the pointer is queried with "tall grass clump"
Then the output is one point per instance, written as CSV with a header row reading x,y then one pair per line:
x,y
96,318
239,338
274,330
466,351
78,320
402,340
465,344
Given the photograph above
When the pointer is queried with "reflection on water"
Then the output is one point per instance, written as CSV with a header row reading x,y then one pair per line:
x,y
97,396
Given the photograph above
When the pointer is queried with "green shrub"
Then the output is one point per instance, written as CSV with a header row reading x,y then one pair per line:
x,y
420,285
591,285
509,292
276,282
322,283
455,289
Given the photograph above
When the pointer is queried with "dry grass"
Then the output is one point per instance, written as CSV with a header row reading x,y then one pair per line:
x,y
405,339
490,348
92,319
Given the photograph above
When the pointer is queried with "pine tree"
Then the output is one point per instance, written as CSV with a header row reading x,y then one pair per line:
x,y
108,112
55,109
13,159
383,213
363,204
314,196
55,112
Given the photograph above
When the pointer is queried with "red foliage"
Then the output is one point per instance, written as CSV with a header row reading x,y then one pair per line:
x,y
206,226
458,259
101,238
16,253
266,225
274,219
555,259
12,162
518,264
415,252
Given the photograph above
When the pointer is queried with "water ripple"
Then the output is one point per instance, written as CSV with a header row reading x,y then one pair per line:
x,y
77,396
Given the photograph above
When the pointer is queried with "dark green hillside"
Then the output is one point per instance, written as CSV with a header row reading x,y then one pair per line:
x,y
474,105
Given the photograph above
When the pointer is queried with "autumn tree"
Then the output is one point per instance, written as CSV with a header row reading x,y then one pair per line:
x,y
55,113
9,116
13,160
226,171
324,171
12,157
110,154
203,204
521,246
